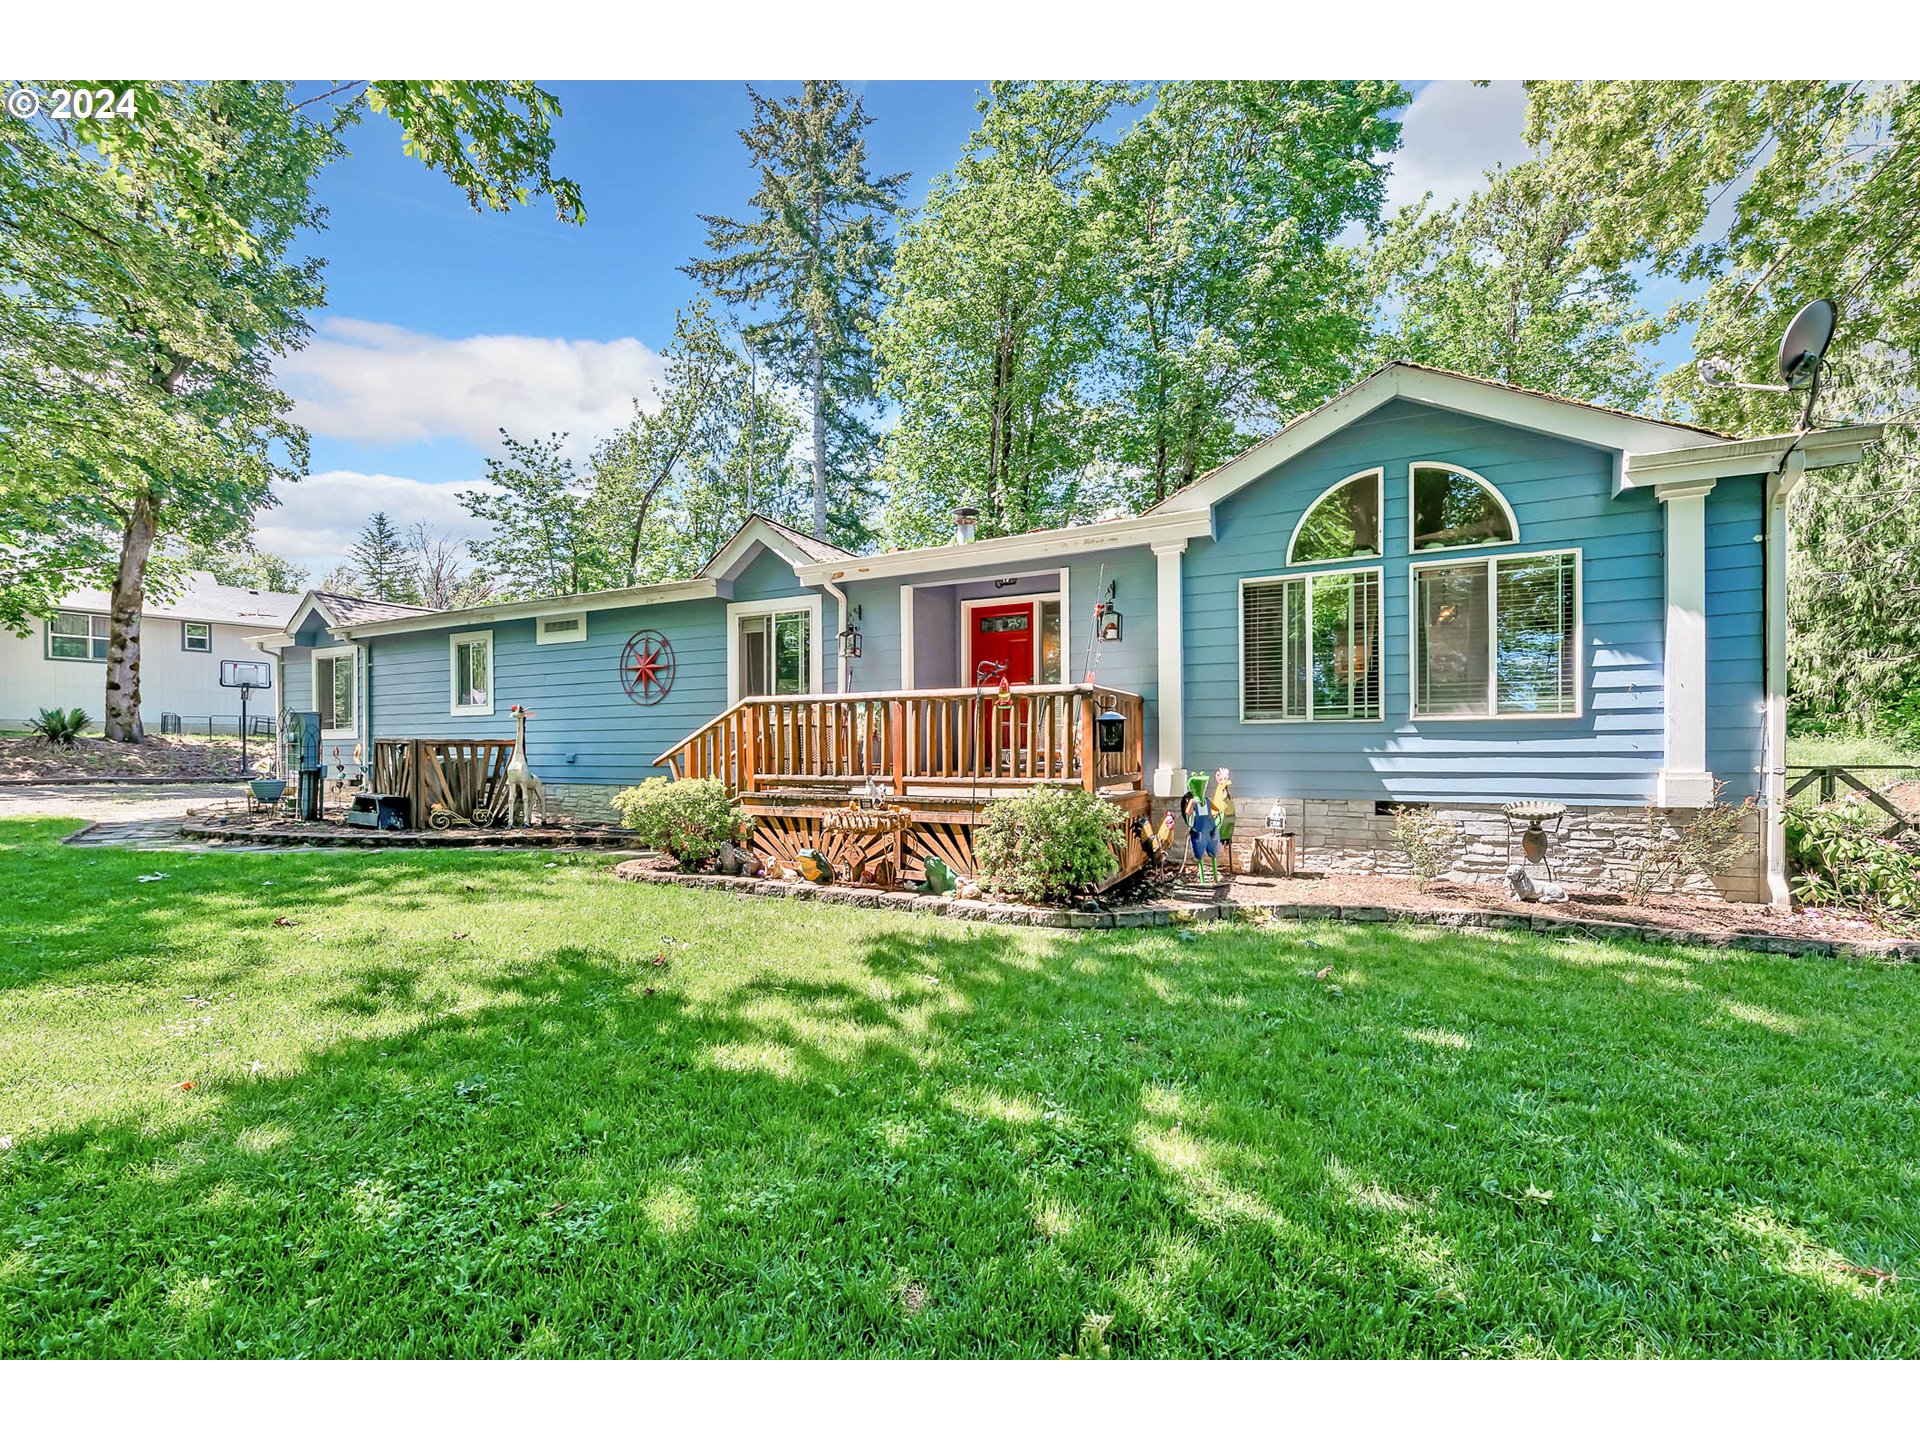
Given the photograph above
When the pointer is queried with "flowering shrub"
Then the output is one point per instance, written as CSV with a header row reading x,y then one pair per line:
x,y
688,819
1048,844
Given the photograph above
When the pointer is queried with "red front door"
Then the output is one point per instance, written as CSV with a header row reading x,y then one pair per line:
x,y
1001,634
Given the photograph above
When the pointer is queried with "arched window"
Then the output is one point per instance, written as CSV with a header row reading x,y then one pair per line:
x,y
1343,524
1454,508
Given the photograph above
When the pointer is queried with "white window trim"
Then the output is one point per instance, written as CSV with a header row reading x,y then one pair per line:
x,y
87,659
336,652
1064,594
1379,474
1493,635
187,626
1309,576
1513,521
454,642
541,637
746,609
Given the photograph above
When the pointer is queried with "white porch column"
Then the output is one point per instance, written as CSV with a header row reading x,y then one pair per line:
x,y
1684,778
1774,775
1169,775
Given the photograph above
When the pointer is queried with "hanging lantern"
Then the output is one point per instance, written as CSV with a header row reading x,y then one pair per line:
x,y
1111,726
1107,618
849,636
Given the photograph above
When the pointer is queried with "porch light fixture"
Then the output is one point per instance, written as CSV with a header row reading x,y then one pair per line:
x,y
849,638
1112,729
1107,618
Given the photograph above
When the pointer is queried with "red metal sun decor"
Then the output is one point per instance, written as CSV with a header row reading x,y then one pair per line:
x,y
646,667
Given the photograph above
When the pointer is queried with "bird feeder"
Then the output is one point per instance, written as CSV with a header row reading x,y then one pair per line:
x,y
1111,728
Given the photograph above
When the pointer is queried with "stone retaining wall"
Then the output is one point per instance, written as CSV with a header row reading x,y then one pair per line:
x,y
1595,849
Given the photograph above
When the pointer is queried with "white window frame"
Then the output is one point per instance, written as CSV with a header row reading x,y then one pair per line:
x,y
1380,641
1379,474
350,653
573,637
787,605
1449,559
454,642
90,617
187,627
1513,521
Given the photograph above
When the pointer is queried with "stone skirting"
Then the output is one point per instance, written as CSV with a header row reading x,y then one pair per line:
x,y
1595,849
583,804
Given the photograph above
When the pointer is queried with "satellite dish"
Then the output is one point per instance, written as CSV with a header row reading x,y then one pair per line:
x,y
1804,345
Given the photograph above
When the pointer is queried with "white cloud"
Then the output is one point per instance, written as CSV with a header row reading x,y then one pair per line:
x,y
376,383
1452,133
319,518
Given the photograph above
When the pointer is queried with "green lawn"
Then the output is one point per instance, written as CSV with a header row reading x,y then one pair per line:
x,y
1850,750
459,1109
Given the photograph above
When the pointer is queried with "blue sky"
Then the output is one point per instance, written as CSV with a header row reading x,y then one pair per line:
x,y
442,324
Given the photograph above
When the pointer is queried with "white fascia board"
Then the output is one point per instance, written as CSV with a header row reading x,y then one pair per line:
x,y
734,556
529,609
1041,545
1758,456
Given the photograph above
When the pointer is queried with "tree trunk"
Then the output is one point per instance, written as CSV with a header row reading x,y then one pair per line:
x,y
818,380
122,720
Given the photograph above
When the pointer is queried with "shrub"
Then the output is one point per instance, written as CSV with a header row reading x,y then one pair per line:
x,y
58,727
1429,841
1843,861
1048,844
688,819
1673,851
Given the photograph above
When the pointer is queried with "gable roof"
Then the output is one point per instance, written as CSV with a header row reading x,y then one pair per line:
x,y
789,544
358,610
201,597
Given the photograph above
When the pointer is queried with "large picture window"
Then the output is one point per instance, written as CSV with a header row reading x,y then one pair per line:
x,y
1343,524
1497,637
76,637
1310,647
472,656
333,693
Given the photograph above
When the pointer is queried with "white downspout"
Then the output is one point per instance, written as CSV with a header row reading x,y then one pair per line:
x,y
1774,842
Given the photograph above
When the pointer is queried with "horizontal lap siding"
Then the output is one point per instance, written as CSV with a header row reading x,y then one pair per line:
x,y
1562,496
584,730
1736,635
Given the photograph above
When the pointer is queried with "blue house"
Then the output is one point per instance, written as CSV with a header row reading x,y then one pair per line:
x,y
1434,590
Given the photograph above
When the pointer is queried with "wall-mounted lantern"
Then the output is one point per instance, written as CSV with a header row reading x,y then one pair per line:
x,y
1107,618
850,637
1111,728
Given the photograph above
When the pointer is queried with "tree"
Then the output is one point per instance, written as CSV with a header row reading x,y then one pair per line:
x,y
1220,211
809,265
248,567
1764,194
547,535
387,570
445,583
990,332
147,286
1500,285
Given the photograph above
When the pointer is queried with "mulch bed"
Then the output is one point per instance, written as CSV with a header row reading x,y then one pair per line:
x,y
258,828
157,758
1163,899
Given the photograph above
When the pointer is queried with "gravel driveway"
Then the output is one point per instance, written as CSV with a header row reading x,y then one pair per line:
x,y
113,803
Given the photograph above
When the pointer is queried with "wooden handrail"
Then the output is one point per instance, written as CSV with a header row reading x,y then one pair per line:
x,y
931,739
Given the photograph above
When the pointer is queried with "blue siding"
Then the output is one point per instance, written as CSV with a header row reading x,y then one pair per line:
x,y
1736,635
1562,495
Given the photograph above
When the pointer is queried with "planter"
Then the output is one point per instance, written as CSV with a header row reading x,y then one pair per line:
x,y
267,792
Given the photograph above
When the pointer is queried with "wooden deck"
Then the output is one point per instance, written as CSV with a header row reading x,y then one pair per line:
x,y
944,754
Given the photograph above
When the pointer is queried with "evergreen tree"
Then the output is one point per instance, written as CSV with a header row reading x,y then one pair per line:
x,y
1499,284
808,266
383,563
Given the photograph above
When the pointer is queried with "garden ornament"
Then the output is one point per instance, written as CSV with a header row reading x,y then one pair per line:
x,y
524,789
1223,803
1203,831
940,878
814,867
1524,887
1164,846
733,860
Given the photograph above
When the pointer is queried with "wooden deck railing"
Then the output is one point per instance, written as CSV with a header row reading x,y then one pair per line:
x,y
926,740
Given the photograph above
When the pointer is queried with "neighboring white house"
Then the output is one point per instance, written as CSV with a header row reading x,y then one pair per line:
x,y
182,642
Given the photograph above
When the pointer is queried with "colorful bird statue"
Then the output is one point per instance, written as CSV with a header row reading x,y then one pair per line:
x,y
1165,843
1203,831
814,867
1223,812
1149,847
940,878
